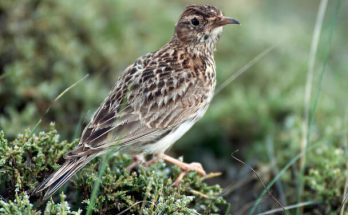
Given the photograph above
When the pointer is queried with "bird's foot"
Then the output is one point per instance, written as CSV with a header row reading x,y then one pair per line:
x,y
137,160
185,167
153,160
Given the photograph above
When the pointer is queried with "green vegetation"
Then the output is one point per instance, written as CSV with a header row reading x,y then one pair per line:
x,y
30,158
48,46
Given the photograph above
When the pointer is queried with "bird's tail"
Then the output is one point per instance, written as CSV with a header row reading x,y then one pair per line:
x,y
60,177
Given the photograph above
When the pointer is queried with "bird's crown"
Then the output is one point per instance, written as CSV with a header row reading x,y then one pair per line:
x,y
201,24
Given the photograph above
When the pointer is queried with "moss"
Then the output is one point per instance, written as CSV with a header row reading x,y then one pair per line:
x,y
327,175
28,159
31,157
21,205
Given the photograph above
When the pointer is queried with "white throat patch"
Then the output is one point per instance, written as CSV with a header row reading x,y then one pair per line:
x,y
216,32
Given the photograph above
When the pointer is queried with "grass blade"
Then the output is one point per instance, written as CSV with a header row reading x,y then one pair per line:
x,y
247,66
311,109
345,142
310,76
281,172
96,185
299,205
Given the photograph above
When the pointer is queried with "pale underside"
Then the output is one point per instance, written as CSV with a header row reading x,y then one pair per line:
x,y
167,141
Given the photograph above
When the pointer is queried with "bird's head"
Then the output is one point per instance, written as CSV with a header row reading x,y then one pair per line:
x,y
201,24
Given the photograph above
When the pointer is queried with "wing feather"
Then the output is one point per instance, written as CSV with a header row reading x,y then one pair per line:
x,y
148,100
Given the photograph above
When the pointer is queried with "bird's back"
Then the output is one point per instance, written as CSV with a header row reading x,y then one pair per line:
x,y
154,94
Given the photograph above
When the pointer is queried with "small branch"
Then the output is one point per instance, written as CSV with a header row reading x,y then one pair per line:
x,y
211,175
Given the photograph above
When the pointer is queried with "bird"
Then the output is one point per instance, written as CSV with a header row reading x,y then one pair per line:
x,y
155,101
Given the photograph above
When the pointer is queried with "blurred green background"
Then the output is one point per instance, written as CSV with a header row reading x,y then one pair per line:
x,y
47,46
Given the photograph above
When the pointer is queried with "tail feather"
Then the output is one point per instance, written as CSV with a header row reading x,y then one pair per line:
x,y
59,178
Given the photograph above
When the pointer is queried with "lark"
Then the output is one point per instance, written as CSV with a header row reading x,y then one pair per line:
x,y
155,101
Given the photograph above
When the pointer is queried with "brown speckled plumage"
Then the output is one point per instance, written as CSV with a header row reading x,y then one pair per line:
x,y
157,99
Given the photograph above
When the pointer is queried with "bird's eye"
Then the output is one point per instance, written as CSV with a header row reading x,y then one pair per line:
x,y
195,21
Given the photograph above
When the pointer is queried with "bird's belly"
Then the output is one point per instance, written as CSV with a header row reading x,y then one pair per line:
x,y
166,142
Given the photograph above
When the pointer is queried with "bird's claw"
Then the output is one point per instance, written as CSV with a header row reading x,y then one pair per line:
x,y
137,160
196,167
185,167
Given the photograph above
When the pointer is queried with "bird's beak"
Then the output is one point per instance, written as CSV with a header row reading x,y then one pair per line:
x,y
221,21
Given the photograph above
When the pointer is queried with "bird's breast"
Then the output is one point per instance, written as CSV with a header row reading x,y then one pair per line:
x,y
202,66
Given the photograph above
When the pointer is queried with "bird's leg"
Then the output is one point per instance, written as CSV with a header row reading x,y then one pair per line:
x,y
185,167
137,160
153,160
